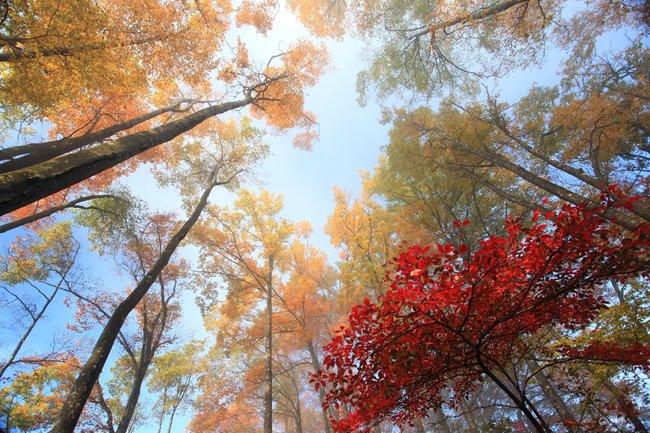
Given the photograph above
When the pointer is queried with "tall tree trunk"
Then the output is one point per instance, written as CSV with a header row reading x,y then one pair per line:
x,y
35,153
539,424
298,416
544,184
171,418
552,396
134,396
18,54
47,212
162,410
268,393
28,185
315,362
478,15
68,416
640,209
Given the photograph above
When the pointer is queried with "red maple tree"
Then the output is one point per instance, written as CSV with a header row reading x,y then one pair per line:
x,y
450,320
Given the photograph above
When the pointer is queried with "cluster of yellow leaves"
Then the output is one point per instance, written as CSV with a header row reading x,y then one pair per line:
x,y
258,14
281,102
323,18
599,125
365,234
83,50
35,257
33,398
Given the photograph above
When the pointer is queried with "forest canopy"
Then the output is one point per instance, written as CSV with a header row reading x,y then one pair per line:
x,y
334,216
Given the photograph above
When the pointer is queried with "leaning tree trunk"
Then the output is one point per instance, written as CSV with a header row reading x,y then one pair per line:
x,y
54,209
68,416
544,184
268,393
551,394
19,55
28,155
28,185
638,208
315,362
134,396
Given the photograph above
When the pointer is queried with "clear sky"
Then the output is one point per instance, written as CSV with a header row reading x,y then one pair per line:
x,y
350,141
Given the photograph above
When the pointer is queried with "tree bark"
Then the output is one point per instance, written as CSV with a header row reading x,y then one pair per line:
x,y
553,397
171,419
538,424
639,209
17,54
69,413
134,396
35,153
315,362
544,184
28,185
47,212
298,415
268,393
474,16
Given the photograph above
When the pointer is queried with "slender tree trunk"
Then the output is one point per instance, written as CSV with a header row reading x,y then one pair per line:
x,y
525,422
268,393
539,424
47,212
110,426
17,54
441,420
27,332
134,396
69,413
553,397
619,292
28,185
637,208
298,413
171,418
315,362
162,410
35,153
35,319
542,183
627,406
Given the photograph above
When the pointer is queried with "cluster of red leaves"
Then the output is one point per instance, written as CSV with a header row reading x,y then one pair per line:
x,y
446,322
636,354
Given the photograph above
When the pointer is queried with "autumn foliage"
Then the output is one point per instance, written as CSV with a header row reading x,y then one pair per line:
x,y
449,321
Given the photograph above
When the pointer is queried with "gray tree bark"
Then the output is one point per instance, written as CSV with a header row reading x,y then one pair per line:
x,y
70,412
21,187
